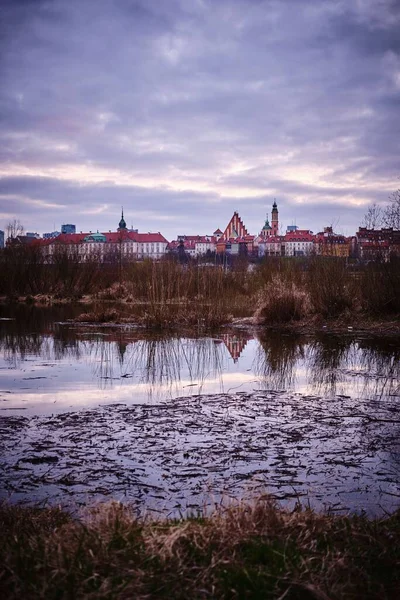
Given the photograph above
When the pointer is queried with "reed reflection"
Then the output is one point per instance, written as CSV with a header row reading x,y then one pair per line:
x,y
164,363
366,368
161,366
276,359
326,356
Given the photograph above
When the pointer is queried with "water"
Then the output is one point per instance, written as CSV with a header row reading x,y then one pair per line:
x,y
174,423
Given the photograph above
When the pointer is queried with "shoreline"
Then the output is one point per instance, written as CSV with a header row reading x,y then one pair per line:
x,y
348,323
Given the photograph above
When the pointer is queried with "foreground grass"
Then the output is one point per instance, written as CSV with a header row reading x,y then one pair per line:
x,y
247,551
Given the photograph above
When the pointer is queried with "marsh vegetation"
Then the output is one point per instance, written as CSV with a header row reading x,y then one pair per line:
x,y
168,294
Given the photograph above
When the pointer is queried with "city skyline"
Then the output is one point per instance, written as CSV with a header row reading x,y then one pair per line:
x,y
184,112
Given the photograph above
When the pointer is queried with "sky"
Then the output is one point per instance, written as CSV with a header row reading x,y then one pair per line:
x,y
183,111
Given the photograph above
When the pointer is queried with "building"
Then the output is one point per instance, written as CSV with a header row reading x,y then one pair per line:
x,y
235,239
193,245
49,236
269,242
122,244
1,239
329,243
22,241
68,228
372,244
275,219
300,242
271,246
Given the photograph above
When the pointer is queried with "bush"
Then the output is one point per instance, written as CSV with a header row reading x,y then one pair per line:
x,y
281,302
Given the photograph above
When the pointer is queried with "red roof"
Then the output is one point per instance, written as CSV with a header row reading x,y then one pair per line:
x,y
301,235
111,237
149,237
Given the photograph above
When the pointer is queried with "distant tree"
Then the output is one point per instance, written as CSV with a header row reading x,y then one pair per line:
x,y
391,215
373,217
14,228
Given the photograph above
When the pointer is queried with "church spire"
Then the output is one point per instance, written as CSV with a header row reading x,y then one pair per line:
x,y
122,224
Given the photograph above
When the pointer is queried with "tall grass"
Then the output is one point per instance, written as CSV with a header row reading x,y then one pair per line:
x,y
329,285
281,302
277,290
380,287
250,551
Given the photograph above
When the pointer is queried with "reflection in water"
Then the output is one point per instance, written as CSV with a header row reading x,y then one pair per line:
x,y
145,367
276,359
174,414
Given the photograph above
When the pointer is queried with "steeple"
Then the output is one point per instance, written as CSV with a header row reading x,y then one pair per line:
x,y
275,219
122,224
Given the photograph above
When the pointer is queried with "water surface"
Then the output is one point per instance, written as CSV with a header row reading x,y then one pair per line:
x,y
169,422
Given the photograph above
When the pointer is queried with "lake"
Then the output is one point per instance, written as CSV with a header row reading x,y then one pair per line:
x,y
176,423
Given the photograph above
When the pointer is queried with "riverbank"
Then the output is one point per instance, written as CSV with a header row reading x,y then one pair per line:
x,y
183,315
166,294
254,550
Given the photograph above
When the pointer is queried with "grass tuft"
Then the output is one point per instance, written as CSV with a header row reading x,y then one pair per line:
x,y
245,551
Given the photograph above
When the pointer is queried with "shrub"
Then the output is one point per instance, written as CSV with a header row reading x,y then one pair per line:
x,y
281,302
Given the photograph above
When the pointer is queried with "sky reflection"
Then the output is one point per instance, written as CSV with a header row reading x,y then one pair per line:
x,y
72,368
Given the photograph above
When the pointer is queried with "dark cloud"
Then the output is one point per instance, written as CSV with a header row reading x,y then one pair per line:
x,y
186,111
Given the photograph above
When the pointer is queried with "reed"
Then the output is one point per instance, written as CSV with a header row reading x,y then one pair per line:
x,y
277,290
379,287
330,286
281,302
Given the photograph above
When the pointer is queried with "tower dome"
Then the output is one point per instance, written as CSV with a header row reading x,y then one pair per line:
x,y
267,229
122,224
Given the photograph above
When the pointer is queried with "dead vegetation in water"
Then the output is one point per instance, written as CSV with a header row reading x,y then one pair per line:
x,y
253,550
104,315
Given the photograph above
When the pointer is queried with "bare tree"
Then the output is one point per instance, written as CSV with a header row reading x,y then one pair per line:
x,y
373,217
391,216
14,228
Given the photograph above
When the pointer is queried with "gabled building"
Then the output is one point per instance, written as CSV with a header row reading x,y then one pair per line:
x,y
235,240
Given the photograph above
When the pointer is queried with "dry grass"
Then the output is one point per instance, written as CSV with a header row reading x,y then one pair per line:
x,y
281,302
246,551
278,289
104,315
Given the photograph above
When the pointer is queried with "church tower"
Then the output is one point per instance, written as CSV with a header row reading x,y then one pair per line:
x,y
122,224
275,219
266,231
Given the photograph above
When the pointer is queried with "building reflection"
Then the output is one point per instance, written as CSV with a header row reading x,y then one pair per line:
x,y
236,343
324,364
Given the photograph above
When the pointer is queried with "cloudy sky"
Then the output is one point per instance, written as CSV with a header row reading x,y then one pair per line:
x,y
183,111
